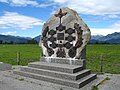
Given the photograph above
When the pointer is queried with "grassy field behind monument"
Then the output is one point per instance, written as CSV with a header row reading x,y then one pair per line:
x,y
28,53
109,54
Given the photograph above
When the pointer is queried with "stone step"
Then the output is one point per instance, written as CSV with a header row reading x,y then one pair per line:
x,y
75,84
63,75
69,61
56,67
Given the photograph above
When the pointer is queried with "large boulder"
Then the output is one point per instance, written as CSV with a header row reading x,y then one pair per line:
x,y
64,35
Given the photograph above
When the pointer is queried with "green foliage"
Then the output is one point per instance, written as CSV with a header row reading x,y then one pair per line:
x,y
61,89
32,41
94,88
107,78
21,79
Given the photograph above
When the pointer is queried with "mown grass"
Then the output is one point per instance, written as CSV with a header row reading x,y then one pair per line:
x,y
109,54
28,53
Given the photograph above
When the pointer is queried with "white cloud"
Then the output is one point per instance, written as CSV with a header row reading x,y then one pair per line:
x,y
24,3
9,33
93,7
5,1
16,20
110,16
113,16
45,4
60,1
104,31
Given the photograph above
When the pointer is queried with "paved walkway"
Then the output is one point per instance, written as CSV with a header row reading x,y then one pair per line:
x,y
9,81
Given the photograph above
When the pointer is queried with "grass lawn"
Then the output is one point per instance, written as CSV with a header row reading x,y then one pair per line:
x,y
109,54
28,53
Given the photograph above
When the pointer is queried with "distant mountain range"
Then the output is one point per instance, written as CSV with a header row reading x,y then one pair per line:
x,y
113,38
15,39
37,38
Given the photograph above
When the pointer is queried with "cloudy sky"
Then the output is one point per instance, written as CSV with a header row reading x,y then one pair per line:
x,y
26,17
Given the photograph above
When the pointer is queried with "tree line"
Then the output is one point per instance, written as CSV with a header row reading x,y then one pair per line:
x,y
12,42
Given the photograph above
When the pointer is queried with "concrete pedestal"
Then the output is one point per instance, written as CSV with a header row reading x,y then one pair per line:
x,y
58,71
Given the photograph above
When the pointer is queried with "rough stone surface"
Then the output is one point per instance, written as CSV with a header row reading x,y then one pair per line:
x,y
64,74
6,77
55,74
112,84
72,35
4,66
69,61
56,67
75,84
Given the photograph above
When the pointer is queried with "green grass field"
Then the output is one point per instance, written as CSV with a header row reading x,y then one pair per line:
x,y
109,54
28,53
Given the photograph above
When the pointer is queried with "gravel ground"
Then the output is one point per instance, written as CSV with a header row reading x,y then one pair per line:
x,y
112,84
10,81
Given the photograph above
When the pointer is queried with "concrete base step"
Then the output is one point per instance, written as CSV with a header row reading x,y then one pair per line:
x,y
76,84
69,61
65,74
57,74
56,67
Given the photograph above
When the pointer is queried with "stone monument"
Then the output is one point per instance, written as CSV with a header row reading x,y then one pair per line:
x,y
64,35
63,41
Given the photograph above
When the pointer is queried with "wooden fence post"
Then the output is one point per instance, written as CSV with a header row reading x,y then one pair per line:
x,y
101,64
18,58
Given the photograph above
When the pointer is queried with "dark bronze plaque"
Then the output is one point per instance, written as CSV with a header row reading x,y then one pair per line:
x,y
70,31
72,52
70,38
60,27
53,45
68,45
52,39
52,32
61,53
60,36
